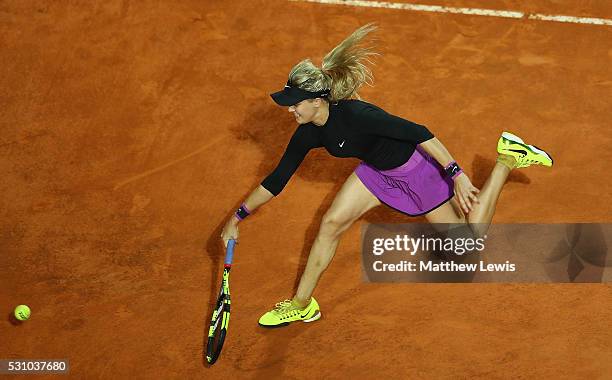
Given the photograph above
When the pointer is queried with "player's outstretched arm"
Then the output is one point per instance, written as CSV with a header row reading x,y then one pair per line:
x,y
258,197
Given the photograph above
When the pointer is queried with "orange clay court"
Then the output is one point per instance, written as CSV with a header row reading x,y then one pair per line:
x,y
132,130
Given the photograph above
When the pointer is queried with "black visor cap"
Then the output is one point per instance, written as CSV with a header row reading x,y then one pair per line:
x,y
293,95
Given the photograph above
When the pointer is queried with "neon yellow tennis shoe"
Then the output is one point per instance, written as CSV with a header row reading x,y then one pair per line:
x,y
286,312
525,155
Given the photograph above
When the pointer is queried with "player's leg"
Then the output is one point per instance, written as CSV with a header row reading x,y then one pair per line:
x,y
482,213
513,153
447,218
351,202
449,213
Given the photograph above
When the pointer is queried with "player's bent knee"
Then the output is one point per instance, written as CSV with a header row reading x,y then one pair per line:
x,y
479,230
333,226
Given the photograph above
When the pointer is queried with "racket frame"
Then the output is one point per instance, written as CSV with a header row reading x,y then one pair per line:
x,y
221,314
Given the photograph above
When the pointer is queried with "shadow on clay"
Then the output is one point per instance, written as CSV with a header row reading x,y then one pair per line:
x,y
12,320
482,167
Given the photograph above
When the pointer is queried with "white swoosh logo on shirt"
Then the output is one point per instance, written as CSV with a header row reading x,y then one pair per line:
x,y
342,143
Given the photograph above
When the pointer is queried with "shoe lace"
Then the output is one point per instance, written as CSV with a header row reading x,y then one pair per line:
x,y
283,307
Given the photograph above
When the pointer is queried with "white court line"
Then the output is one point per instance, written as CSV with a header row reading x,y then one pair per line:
x,y
465,11
576,20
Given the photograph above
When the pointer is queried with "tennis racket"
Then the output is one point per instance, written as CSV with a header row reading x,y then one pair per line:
x,y
219,322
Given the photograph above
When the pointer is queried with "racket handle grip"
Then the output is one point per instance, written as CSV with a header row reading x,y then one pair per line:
x,y
229,255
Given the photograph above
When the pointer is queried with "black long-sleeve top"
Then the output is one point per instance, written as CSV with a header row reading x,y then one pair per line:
x,y
354,128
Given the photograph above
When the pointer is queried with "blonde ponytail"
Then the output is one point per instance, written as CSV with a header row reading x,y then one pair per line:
x,y
343,70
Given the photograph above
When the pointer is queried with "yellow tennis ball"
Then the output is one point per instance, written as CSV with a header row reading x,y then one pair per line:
x,y
22,312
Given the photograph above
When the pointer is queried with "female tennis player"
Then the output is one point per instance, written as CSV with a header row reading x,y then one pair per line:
x,y
403,165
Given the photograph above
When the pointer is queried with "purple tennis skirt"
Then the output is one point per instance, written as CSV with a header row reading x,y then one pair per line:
x,y
415,188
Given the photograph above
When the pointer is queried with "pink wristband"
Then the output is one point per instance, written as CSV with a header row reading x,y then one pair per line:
x,y
457,174
453,170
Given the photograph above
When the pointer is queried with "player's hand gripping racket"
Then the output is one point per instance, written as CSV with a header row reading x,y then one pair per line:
x,y
219,322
